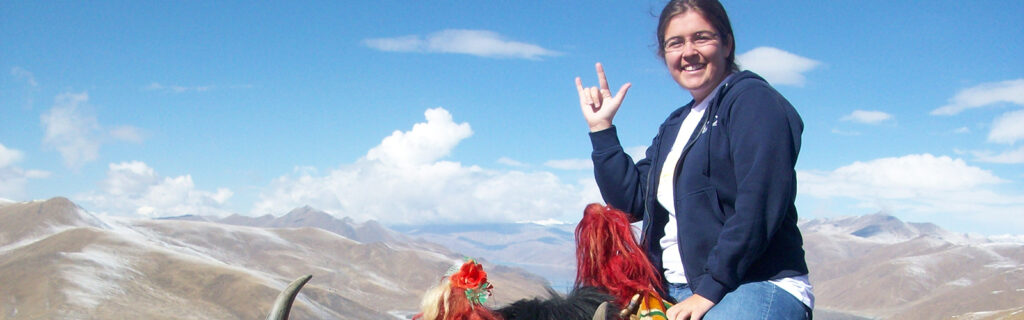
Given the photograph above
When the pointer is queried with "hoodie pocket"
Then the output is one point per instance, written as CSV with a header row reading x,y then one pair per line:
x,y
700,205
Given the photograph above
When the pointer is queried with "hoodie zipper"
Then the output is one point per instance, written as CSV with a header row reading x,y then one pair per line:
x,y
648,215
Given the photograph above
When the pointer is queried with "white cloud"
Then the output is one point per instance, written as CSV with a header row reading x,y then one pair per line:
x,y
637,152
777,66
472,42
845,133
31,85
24,75
1015,156
921,184
411,43
1010,91
867,117
962,130
892,176
128,178
13,179
511,162
425,143
127,133
71,129
1007,128
133,188
410,184
155,86
9,156
570,164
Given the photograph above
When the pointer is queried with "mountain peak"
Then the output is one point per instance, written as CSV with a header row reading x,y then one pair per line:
x,y
877,227
27,219
306,209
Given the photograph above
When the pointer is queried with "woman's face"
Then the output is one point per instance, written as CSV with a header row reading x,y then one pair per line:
x,y
695,53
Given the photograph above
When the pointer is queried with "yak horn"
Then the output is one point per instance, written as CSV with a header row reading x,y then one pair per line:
x,y
602,311
634,305
283,304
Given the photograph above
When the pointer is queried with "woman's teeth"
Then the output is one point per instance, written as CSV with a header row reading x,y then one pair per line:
x,y
692,67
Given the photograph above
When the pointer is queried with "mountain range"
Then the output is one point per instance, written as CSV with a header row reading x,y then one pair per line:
x,y
864,267
879,266
59,261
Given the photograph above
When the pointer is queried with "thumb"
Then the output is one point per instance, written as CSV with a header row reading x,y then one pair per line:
x,y
622,91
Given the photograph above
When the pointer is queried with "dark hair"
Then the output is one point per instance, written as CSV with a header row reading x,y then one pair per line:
x,y
711,10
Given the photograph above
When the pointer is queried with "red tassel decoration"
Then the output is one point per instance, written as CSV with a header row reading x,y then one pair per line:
x,y
607,255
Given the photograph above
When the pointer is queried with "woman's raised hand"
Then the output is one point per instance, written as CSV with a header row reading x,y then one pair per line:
x,y
598,104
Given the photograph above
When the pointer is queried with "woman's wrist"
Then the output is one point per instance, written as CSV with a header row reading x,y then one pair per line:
x,y
600,126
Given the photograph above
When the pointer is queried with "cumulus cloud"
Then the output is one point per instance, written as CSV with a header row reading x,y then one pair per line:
x,y
135,189
1007,128
405,180
867,117
13,179
425,143
481,43
1010,91
71,129
921,184
777,66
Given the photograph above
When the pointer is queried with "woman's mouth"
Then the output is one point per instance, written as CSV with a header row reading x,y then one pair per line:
x,y
694,66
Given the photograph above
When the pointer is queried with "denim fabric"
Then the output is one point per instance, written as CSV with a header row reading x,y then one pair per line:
x,y
755,300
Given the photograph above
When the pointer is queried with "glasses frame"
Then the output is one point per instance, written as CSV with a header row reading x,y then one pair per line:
x,y
698,39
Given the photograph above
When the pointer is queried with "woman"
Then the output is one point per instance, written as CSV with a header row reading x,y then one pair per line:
x,y
716,190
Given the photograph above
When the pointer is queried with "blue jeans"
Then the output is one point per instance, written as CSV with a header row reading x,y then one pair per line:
x,y
755,300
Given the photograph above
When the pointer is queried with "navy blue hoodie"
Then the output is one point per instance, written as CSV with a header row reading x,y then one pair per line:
x,y
734,190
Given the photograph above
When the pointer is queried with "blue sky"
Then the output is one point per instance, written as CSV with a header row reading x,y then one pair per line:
x,y
460,111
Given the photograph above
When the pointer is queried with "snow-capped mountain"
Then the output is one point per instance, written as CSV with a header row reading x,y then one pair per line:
x,y
57,261
873,266
879,266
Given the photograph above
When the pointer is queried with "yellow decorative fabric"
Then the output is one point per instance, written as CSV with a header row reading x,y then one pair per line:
x,y
652,308
649,307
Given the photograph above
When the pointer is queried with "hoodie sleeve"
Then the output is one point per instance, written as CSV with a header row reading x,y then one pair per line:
x,y
622,183
764,136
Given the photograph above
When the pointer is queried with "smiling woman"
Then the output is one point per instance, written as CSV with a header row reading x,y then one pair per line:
x,y
717,188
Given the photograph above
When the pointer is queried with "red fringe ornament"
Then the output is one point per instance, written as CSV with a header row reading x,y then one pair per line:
x,y
607,256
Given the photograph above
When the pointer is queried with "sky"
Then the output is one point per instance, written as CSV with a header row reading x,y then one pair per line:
x,y
466,111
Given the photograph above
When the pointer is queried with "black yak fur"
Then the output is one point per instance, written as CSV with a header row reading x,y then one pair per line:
x,y
580,304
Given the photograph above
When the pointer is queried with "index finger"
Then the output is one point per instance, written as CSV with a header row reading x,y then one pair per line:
x,y
600,76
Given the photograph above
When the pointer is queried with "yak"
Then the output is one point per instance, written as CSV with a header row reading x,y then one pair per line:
x,y
614,280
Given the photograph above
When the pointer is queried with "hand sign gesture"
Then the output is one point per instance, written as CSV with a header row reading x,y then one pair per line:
x,y
598,105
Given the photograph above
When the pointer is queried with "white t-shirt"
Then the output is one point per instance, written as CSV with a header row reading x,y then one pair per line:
x,y
799,286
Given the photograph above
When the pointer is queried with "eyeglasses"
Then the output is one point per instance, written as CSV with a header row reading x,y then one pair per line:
x,y
699,39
